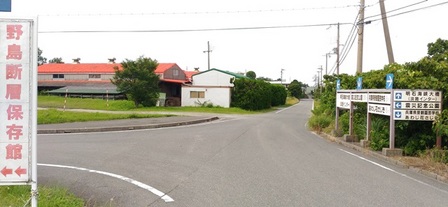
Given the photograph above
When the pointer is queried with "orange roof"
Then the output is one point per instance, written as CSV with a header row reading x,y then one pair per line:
x,y
78,68
190,73
162,67
92,68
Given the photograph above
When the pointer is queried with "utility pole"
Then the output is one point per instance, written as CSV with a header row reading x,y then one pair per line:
x,y
337,53
360,37
390,53
208,51
319,73
281,76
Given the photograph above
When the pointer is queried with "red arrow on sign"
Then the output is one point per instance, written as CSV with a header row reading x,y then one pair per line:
x,y
20,171
5,171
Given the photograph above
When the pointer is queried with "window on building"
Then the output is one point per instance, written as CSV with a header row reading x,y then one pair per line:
x,y
175,73
58,76
94,76
197,94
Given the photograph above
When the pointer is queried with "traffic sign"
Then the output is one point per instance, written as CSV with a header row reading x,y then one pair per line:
x,y
383,98
417,105
338,84
416,115
418,95
379,109
389,81
359,83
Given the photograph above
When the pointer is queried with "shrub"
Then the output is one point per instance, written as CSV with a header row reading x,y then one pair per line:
x,y
251,94
279,95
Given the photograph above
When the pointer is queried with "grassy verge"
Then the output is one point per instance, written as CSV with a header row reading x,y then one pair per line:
x,y
52,116
48,197
125,105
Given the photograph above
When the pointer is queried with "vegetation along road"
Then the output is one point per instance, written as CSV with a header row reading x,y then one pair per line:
x,y
259,160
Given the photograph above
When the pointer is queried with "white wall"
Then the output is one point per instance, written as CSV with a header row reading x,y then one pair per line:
x,y
212,78
218,96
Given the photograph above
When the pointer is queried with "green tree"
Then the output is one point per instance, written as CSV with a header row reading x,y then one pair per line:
x,y
56,60
40,59
251,74
438,50
296,89
138,81
251,94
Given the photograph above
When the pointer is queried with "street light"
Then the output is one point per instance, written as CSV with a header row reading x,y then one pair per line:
x,y
281,76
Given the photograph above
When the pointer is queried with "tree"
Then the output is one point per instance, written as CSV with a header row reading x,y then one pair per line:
x,y
264,78
437,50
56,60
40,59
251,74
295,88
138,81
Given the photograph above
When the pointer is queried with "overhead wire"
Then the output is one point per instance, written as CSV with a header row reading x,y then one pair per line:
x,y
413,10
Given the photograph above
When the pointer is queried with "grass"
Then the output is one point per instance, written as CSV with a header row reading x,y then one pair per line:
x,y
52,116
125,105
48,196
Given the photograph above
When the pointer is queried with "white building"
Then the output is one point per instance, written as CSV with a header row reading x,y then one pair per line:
x,y
212,86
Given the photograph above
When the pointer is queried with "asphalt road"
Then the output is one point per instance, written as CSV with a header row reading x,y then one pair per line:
x,y
259,160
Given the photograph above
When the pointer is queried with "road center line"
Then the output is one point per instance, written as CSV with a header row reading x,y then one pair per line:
x,y
391,170
162,195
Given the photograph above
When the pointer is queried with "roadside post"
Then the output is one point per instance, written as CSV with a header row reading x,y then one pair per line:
x,y
18,104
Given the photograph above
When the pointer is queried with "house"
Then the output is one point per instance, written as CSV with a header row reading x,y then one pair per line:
x,y
209,87
93,80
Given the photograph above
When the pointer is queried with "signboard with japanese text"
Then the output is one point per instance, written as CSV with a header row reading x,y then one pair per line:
x,y
343,100
416,115
379,98
418,95
17,82
417,105
379,109
358,97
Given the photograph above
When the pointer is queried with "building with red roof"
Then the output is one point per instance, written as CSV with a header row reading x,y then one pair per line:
x,y
93,80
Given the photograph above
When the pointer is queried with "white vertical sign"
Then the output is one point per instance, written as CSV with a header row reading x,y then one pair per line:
x,y
16,100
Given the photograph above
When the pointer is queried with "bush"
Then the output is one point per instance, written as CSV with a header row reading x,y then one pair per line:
x,y
251,94
379,136
319,122
279,95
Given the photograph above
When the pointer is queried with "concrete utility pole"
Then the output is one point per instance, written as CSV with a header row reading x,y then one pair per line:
x,y
338,53
390,53
360,37
281,76
208,51
319,73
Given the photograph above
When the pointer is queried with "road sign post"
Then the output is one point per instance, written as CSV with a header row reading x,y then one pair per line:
x,y
18,103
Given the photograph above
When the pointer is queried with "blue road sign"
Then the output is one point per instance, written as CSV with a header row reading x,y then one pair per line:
x,y
359,83
398,105
5,5
338,84
398,96
389,81
398,114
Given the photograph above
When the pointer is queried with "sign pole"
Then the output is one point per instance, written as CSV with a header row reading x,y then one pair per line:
x,y
392,122
34,191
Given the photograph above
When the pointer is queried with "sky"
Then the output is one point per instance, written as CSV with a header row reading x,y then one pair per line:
x,y
263,36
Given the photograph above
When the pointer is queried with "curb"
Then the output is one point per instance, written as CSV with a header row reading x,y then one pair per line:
x,y
385,158
123,128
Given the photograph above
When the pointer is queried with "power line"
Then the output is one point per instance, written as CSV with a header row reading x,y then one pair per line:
x,y
413,10
400,8
203,12
194,30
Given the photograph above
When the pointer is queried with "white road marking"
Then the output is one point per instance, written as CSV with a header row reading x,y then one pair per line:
x,y
162,195
277,112
391,170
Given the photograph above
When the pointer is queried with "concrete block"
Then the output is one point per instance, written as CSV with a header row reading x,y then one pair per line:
x,y
350,138
365,143
392,152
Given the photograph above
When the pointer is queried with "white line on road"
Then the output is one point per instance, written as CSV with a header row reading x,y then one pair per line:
x,y
391,170
162,195
277,112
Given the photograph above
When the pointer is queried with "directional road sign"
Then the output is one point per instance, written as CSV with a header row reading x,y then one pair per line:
x,y
379,109
338,84
417,105
359,83
416,115
389,81
418,95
